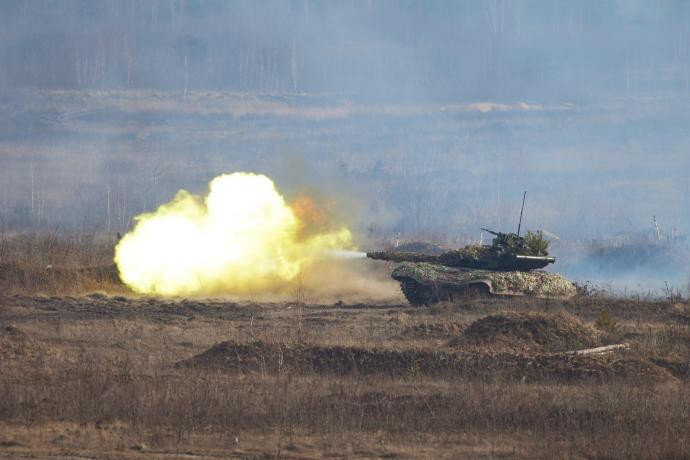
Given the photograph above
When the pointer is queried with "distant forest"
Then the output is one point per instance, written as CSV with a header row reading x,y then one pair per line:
x,y
403,49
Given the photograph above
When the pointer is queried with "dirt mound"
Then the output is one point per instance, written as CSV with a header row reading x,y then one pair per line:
x,y
271,358
536,332
440,330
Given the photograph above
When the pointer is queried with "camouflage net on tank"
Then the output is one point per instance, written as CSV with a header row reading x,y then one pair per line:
x,y
423,272
466,256
537,283
534,283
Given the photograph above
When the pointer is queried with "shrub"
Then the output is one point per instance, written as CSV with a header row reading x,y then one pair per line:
x,y
536,243
606,324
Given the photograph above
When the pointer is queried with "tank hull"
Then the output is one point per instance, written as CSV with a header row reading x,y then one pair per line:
x,y
426,283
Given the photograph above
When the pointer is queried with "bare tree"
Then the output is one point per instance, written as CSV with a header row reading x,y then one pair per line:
x,y
191,51
293,65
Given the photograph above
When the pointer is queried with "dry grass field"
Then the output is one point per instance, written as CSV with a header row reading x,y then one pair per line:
x,y
247,157
89,370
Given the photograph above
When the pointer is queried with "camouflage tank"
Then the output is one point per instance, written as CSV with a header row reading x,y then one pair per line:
x,y
509,266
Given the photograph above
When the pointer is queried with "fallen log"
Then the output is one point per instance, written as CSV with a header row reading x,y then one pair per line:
x,y
593,351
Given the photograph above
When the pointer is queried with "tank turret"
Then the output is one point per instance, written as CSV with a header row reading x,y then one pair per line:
x,y
507,252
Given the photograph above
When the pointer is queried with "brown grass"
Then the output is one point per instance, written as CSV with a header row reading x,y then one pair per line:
x,y
39,250
98,376
48,263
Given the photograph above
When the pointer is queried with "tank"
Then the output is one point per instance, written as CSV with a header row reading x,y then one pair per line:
x,y
509,266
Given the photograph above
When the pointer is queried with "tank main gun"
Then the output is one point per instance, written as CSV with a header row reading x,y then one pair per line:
x,y
393,256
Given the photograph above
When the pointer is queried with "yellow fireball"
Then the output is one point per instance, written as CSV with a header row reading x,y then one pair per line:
x,y
242,237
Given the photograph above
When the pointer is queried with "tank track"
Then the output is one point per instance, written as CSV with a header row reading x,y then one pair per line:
x,y
419,295
415,293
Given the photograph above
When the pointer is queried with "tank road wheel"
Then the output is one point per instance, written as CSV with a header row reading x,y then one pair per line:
x,y
416,293
470,291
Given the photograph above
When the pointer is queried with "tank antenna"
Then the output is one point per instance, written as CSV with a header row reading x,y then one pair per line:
x,y
524,195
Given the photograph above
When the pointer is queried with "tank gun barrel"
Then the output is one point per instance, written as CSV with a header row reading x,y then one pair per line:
x,y
548,259
490,231
533,262
401,256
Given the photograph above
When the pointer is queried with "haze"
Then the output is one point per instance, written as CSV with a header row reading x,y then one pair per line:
x,y
414,116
